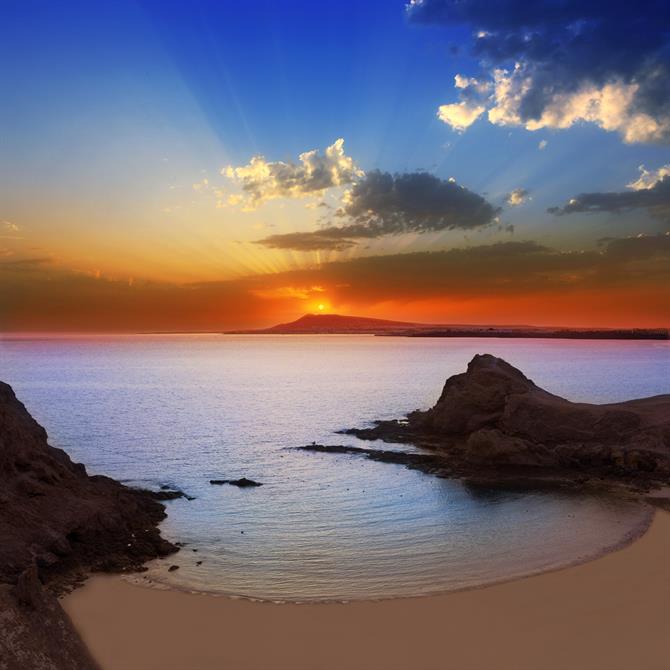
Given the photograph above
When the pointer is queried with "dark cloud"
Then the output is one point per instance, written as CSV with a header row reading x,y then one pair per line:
x,y
502,269
641,247
384,204
523,271
655,200
566,46
332,238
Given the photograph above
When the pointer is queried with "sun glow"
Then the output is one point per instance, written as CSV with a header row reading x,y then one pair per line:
x,y
321,307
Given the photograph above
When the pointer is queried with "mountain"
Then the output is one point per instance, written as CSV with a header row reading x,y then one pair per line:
x,y
334,324
315,324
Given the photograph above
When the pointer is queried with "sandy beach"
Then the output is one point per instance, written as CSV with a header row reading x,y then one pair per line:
x,y
612,613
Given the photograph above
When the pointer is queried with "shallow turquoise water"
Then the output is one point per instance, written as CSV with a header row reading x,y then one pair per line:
x,y
181,410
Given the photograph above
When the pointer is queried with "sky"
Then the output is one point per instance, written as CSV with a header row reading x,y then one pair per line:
x,y
214,164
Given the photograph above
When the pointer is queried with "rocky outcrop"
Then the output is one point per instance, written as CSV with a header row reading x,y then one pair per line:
x,y
56,524
494,415
53,513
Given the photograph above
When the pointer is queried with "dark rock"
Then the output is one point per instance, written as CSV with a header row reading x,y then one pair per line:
x,y
29,589
167,493
57,524
493,416
35,632
172,568
52,512
242,483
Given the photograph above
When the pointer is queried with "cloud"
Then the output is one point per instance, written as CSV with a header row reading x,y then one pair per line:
x,y
639,247
556,64
624,281
650,192
331,238
542,145
517,197
510,268
282,292
9,225
263,180
649,178
460,115
384,204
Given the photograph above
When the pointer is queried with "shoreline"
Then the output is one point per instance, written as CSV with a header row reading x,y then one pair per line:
x,y
142,580
610,613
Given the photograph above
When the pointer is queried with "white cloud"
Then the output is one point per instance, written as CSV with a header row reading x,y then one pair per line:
x,y
611,106
460,115
517,197
263,180
649,179
542,145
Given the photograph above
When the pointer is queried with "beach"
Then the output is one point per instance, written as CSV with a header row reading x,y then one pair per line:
x,y
609,614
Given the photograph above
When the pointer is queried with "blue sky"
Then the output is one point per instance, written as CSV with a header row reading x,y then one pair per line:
x,y
112,112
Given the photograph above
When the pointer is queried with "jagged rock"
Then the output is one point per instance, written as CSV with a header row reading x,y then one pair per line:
x,y
57,523
53,513
486,445
492,414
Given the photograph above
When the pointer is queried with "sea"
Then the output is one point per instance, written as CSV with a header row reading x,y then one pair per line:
x,y
180,410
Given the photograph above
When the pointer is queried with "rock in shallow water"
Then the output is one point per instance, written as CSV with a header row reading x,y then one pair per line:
x,y
242,483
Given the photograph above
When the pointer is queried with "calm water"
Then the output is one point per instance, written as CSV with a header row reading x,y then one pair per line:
x,y
180,410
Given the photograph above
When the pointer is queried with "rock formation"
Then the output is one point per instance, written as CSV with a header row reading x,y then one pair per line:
x,y
53,513
494,415
56,524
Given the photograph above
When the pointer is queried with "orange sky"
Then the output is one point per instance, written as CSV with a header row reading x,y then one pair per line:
x,y
169,170
627,285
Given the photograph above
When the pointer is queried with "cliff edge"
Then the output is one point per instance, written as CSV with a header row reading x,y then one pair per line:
x,y
56,524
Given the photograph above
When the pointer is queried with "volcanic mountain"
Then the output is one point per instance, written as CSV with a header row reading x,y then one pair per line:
x,y
332,324
315,324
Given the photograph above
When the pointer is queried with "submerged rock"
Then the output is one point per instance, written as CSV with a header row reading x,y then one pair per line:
x,y
242,483
168,493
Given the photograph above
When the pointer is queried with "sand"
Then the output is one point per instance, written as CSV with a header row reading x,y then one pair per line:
x,y
612,613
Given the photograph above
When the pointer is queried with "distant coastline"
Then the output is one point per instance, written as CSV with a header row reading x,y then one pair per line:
x,y
336,324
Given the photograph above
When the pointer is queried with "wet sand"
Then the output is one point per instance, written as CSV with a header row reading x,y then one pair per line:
x,y
612,613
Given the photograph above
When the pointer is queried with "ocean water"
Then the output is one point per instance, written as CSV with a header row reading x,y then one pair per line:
x,y
181,410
